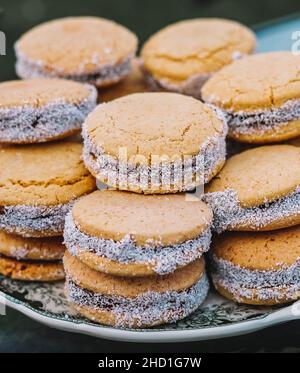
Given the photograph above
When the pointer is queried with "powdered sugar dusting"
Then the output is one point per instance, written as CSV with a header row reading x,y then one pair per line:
x,y
163,259
275,284
229,214
31,220
146,309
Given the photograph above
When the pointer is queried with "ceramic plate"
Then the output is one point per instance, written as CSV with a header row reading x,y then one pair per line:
x,y
217,317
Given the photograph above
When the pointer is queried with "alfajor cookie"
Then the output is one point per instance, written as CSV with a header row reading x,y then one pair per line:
x,y
257,189
87,49
154,143
135,302
260,96
260,268
128,234
38,185
134,83
182,56
31,259
39,110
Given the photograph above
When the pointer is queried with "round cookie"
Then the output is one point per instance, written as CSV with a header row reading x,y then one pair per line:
x,y
33,249
40,110
134,83
87,49
154,143
259,268
135,302
257,189
132,235
38,185
182,56
31,271
260,96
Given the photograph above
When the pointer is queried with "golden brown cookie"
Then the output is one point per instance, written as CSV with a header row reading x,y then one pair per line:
x,y
38,186
39,110
133,235
134,83
182,56
154,143
31,271
260,95
257,267
18,247
257,189
135,302
88,49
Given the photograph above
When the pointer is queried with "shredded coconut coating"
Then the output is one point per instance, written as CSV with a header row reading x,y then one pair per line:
x,y
144,310
191,87
181,175
269,284
228,213
164,259
247,122
31,221
39,124
105,74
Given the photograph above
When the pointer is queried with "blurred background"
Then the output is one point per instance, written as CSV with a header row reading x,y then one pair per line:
x,y
142,16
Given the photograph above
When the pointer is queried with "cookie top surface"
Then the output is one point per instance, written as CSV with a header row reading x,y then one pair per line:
x,y
102,283
193,47
260,175
150,219
153,124
257,82
133,83
43,175
31,248
259,250
37,93
77,45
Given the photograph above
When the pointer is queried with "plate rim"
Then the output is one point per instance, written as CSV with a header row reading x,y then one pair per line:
x,y
168,336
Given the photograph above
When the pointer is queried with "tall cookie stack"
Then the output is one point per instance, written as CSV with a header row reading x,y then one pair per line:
x,y
256,195
136,259
38,183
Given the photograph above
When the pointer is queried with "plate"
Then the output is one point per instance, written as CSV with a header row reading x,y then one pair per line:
x,y
217,318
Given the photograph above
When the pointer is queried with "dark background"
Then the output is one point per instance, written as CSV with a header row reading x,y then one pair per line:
x,y
144,17
18,333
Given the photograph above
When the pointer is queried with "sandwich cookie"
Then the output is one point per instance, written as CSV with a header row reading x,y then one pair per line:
x,y
40,110
38,185
257,189
31,259
182,56
134,83
154,143
260,96
135,302
87,49
260,268
131,235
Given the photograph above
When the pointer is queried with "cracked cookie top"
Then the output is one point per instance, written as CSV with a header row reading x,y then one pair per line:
x,y
260,175
148,220
37,93
106,284
145,125
43,175
195,47
77,45
261,251
255,83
